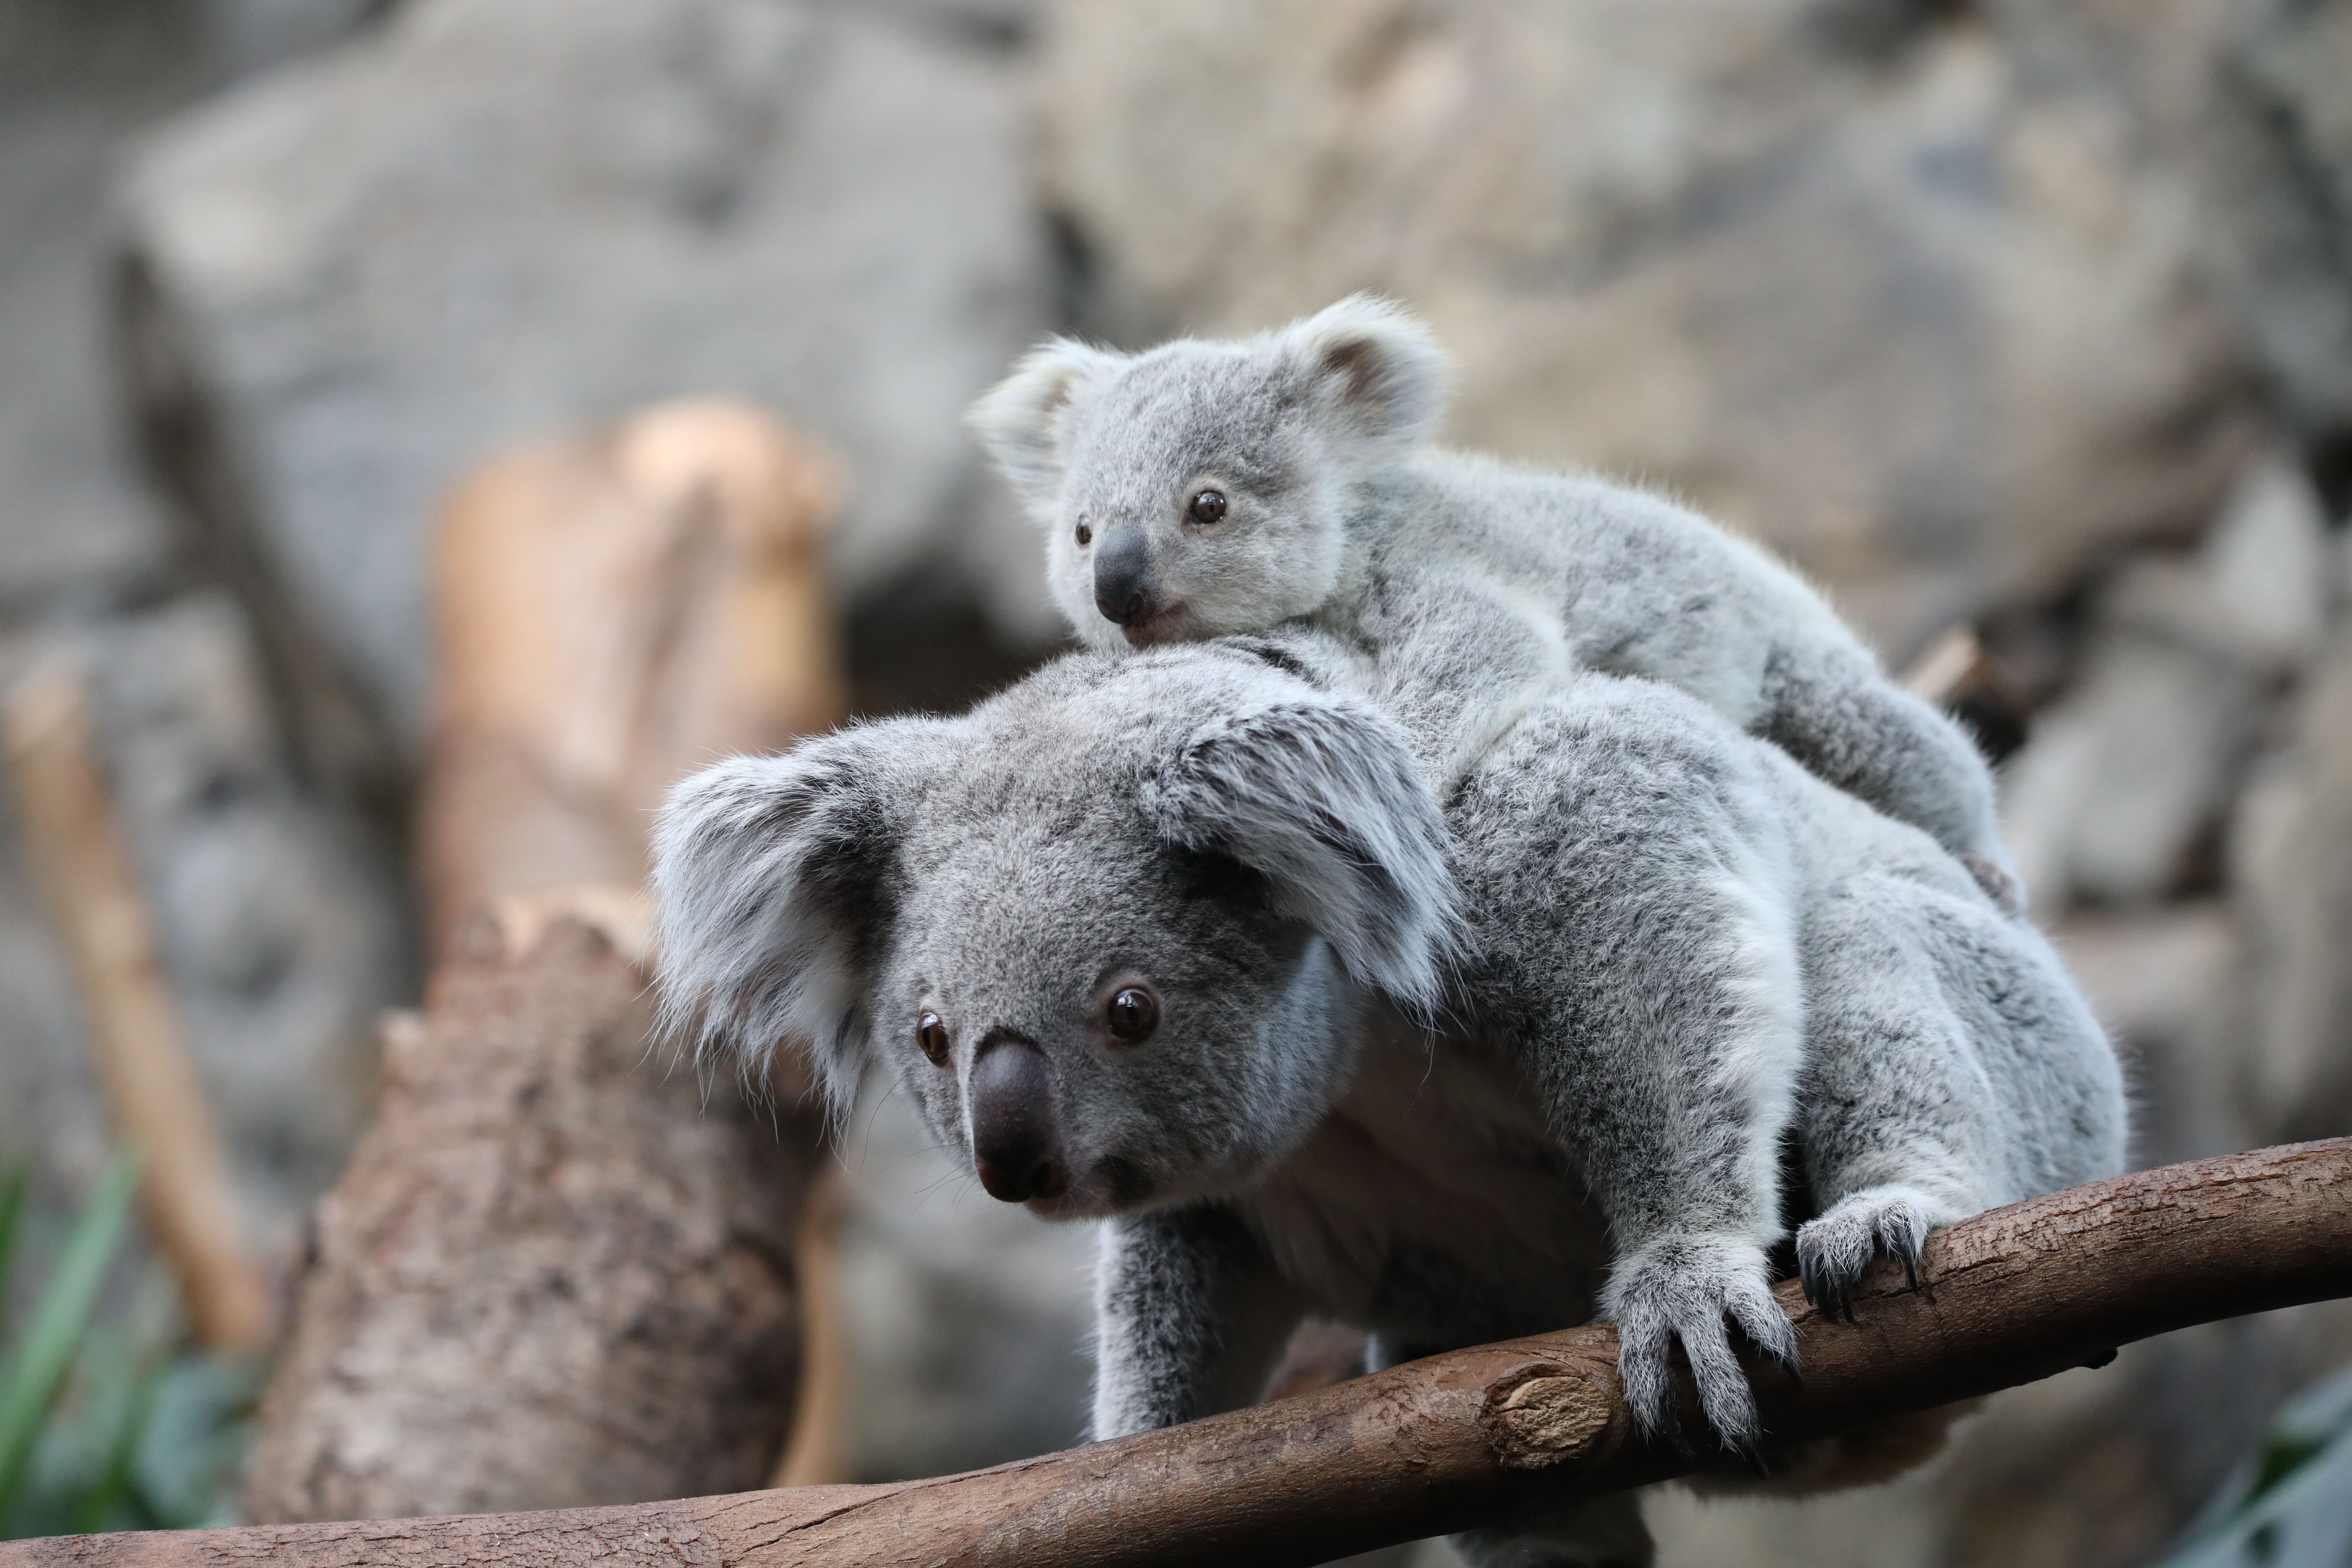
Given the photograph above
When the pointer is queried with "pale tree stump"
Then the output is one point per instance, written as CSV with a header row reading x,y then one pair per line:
x,y
559,1268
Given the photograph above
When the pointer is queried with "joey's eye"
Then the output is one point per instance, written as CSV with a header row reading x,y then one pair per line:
x,y
931,1034
1086,532
1132,1013
1208,506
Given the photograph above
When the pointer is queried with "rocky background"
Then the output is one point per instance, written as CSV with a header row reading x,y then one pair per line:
x,y
2030,318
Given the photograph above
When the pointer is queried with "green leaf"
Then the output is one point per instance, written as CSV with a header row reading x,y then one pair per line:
x,y
12,1187
38,1366
2290,1505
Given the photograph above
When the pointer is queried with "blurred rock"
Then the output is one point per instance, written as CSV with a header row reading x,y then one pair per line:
x,y
248,35
969,1317
2278,150
282,923
2261,586
976,24
283,929
2125,775
2292,860
2123,787
73,526
495,217
1857,278
2164,983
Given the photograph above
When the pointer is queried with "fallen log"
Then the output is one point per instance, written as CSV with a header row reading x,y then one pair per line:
x,y
556,1271
1433,1446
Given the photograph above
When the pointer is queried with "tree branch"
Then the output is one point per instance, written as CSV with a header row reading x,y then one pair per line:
x,y
1458,1439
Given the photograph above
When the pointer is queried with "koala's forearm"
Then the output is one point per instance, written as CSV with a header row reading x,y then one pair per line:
x,y
1675,1155
1676,1077
1191,1316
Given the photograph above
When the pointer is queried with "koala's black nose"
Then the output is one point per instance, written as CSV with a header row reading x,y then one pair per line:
x,y
1123,587
1014,1138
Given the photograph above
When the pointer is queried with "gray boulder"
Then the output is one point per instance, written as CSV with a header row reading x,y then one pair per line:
x,y
2129,775
282,923
494,218
2277,152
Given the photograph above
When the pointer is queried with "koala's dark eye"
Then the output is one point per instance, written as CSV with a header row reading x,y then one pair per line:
x,y
1207,507
931,1034
1132,1013
1086,532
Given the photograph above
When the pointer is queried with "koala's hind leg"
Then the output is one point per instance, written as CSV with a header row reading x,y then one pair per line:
x,y
1900,1129
1833,711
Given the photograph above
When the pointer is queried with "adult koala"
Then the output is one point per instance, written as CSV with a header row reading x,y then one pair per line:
x,y
1154,937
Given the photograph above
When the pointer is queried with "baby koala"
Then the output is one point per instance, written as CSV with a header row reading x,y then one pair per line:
x,y
1181,940
1207,487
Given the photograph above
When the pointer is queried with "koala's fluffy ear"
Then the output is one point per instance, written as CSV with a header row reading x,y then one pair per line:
x,y
1377,369
774,878
1321,796
1019,419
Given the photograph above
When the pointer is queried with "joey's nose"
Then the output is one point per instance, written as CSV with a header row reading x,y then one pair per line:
x,y
1124,591
1014,1140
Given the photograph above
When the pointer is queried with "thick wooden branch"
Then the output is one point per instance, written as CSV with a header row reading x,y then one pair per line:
x,y
1458,1439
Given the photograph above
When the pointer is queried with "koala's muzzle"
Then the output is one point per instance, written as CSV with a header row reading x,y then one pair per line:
x,y
1124,591
1014,1138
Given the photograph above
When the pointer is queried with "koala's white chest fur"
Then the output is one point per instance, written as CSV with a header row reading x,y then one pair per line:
x,y
1433,1206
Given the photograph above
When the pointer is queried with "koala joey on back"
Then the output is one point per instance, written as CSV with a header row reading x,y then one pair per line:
x,y
1182,941
1207,487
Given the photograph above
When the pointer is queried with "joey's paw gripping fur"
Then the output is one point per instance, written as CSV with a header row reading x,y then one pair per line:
x,y
1690,1290
1834,1250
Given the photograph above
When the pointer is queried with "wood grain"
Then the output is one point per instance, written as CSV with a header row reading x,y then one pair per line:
x,y
1453,1440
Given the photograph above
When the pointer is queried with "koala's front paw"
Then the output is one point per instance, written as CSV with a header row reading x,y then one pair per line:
x,y
2000,881
1834,1250
1686,1288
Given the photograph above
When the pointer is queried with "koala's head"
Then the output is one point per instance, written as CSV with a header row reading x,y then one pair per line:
x,y
1198,488
1113,930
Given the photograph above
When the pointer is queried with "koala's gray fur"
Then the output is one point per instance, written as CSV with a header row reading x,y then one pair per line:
x,y
1338,510
1451,1077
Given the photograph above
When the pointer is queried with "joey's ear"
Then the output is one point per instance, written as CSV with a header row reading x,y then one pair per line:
x,y
775,879
1019,419
1321,796
1378,370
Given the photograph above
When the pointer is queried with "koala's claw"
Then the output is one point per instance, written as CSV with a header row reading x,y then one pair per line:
x,y
1691,1289
1834,1251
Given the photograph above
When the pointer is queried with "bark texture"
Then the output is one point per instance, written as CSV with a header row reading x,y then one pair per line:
x,y
613,610
553,1270
560,1269
1435,1444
